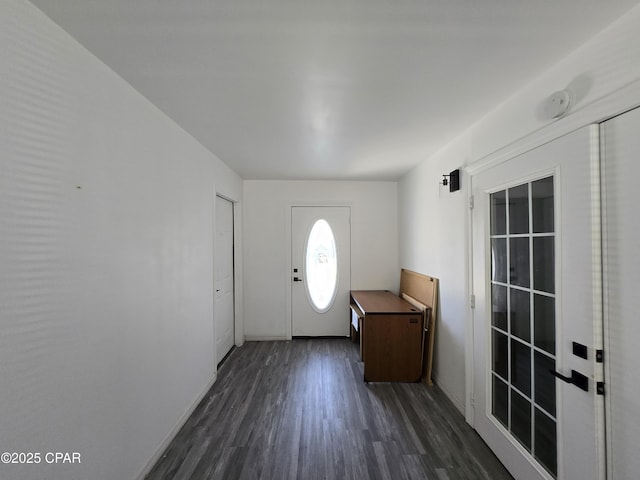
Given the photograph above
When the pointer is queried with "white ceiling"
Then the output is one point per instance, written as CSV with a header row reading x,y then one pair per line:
x,y
329,89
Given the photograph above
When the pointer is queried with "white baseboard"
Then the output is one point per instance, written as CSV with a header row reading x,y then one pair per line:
x,y
263,338
174,431
456,401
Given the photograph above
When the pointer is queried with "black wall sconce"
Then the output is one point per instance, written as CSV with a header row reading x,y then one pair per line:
x,y
453,180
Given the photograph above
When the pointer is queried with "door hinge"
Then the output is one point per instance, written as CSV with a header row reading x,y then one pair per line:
x,y
600,388
472,301
599,356
471,202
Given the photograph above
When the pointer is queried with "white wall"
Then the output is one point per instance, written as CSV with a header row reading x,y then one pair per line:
x,y
605,77
267,280
432,224
106,259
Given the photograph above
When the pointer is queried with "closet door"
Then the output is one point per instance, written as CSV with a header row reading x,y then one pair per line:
x,y
224,279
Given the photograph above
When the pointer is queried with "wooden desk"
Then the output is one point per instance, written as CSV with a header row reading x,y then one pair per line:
x,y
391,336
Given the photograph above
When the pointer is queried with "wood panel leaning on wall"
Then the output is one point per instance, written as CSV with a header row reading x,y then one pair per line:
x,y
424,290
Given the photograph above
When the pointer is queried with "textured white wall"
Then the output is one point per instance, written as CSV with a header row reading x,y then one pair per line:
x,y
374,243
605,77
106,259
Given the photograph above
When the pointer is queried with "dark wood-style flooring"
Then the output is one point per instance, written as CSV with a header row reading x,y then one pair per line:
x,y
301,410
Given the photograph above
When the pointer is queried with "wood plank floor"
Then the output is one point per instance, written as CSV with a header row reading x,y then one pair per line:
x,y
301,410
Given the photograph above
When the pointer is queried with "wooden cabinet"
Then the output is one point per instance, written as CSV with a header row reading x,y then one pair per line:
x,y
391,336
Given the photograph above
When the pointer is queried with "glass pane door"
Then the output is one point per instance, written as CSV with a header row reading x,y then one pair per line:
x,y
523,390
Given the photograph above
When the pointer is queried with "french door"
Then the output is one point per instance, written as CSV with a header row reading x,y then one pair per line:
x,y
621,149
537,321
321,270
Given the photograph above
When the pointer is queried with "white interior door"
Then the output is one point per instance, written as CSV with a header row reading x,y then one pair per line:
x,y
621,169
224,280
321,270
535,256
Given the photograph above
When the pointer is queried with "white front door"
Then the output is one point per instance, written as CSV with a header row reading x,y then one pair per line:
x,y
320,270
621,148
535,245
224,296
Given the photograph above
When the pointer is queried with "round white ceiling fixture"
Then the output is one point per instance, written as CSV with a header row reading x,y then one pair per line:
x,y
558,103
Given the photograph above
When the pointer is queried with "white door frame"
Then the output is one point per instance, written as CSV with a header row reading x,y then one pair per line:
x,y
286,276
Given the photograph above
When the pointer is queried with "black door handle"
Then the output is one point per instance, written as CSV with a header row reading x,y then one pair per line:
x,y
579,380
296,279
561,376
